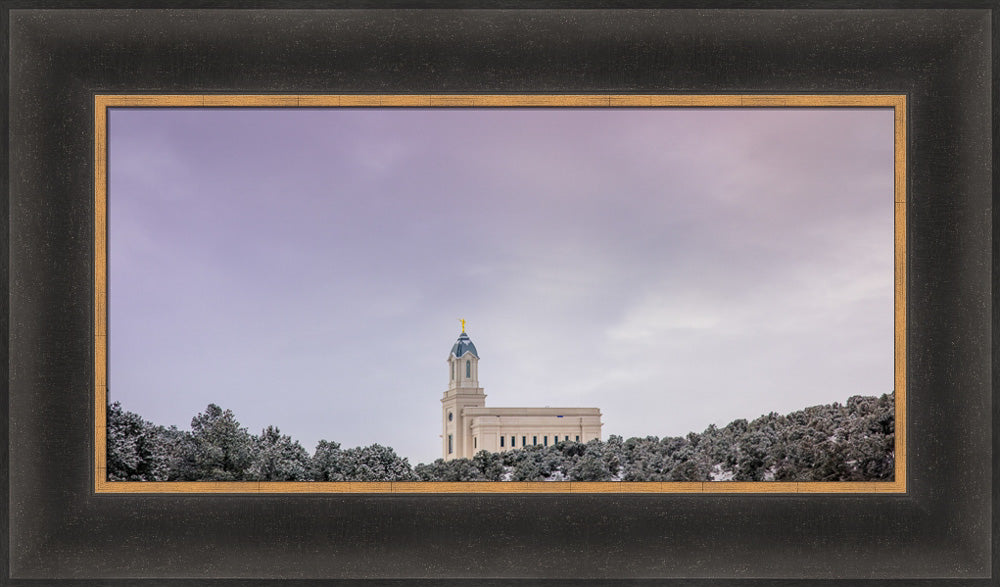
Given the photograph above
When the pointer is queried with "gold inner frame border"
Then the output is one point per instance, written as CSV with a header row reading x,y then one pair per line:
x,y
102,102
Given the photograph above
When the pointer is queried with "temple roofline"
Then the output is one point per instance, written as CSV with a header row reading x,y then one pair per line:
x,y
485,411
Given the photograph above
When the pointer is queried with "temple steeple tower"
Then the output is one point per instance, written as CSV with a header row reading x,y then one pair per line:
x,y
463,361
468,426
463,392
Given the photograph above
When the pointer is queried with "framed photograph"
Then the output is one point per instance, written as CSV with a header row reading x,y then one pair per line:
x,y
396,180
241,240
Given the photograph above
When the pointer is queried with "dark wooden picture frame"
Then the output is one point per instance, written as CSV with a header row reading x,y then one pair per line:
x,y
58,528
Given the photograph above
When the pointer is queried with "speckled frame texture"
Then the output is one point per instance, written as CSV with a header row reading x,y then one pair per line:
x,y
57,530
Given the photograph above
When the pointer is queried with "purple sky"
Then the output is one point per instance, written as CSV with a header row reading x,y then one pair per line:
x,y
675,267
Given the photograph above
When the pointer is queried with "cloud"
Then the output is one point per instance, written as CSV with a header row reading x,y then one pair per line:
x,y
658,316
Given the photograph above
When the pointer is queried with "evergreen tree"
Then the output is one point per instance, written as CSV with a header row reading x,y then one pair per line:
x,y
752,456
526,464
131,446
489,465
453,470
688,464
276,457
592,465
614,456
178,456
223,450
328,462
376,463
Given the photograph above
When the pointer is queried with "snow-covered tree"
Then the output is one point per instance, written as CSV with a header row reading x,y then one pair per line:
x,y
592,466
178,455
327,463
850,442
376,463
276,457
453,470
223,449
131,445
489,464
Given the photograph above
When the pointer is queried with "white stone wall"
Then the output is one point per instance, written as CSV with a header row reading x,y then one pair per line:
x,y
473,427
528,426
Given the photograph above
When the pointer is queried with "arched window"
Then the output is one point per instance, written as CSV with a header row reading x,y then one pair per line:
x,y
468,368
453,370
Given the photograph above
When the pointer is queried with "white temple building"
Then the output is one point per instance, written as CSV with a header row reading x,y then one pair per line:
x,y
468,426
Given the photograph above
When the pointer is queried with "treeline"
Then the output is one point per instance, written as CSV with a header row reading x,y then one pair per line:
x,y
850,442
218,448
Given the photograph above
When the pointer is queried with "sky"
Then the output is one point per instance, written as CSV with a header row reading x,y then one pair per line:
x,y
307,268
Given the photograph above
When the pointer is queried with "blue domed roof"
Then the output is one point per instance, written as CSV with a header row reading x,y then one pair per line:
x,y
464,345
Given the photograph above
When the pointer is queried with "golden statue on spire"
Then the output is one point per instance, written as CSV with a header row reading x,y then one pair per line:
x,y
462,320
